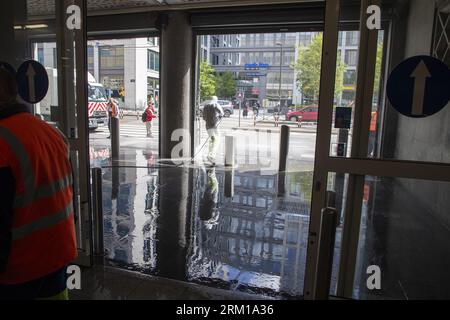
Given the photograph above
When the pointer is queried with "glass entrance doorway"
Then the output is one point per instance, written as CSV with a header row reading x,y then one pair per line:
x,y
249,227
388,155
60,52
126,72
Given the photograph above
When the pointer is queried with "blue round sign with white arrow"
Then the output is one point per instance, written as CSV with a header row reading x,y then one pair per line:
x,y
419,86
32,81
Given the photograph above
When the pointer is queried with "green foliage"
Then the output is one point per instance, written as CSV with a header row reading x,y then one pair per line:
x,y
378,69
307,68
207,81
226,85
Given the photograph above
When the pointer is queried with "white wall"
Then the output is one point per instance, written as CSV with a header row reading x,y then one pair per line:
x,y
141,73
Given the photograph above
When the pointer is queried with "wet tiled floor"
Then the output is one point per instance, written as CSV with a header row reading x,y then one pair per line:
x,y
234,230
106,283
224,229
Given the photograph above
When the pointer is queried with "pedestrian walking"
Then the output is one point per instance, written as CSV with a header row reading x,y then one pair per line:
x,y
245,112
212,113
113,112
148,116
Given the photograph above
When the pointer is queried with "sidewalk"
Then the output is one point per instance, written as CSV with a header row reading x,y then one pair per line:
x,y
270,125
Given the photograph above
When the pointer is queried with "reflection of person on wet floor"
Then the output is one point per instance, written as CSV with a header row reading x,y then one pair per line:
x,y
256,108
372,134
209,212
245,111
113,112
212,113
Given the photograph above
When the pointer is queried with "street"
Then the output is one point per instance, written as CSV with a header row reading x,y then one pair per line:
x,y
256,146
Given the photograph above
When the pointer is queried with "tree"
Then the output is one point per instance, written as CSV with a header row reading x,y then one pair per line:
x,y
226,85
207,81
308,66
377,80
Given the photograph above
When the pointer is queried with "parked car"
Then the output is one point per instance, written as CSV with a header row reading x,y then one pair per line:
x,y
227,107
307,114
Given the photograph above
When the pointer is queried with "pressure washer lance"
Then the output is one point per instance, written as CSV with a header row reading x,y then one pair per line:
x,y
204,144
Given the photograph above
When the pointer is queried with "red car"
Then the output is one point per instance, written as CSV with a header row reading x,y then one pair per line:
x,y
306,114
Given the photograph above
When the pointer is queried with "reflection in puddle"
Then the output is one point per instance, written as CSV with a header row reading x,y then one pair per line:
x,y
178,223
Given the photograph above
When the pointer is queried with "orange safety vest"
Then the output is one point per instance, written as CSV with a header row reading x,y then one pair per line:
x,y
373,122
43,227
114,111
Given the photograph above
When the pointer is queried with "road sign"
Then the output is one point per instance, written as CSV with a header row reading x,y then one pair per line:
x,y
419,86
32,80
7,67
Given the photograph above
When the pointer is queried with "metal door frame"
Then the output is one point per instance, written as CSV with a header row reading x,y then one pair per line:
x,y
357,166
73,117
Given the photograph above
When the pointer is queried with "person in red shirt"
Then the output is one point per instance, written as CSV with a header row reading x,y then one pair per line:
x,y
150,115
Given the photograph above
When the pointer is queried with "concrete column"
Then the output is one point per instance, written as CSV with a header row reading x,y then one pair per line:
x,y
176,78
174,238
7,31
21,36
96,63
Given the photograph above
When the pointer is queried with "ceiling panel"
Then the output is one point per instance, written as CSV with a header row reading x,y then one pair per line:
x,y
38,8
47,7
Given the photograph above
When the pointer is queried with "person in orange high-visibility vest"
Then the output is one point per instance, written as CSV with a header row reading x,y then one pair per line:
x,y
372,133
113,112
37,227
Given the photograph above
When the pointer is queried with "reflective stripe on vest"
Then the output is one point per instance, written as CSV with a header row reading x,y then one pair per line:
x,y
32,192
43,192
42,223
24,162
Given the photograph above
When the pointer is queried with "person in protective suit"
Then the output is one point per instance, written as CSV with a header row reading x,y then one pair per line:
x,y
212,114
208,211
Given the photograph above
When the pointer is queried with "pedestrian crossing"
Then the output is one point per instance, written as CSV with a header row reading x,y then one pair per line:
x,y
128,130
301,148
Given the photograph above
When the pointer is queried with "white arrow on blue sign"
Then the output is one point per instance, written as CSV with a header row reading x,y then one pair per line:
x,y
419,86
32,80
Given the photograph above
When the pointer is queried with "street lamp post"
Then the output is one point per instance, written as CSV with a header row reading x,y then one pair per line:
x,y
281,65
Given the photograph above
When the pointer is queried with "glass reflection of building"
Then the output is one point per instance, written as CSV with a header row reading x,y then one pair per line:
x,y
130,213
260,240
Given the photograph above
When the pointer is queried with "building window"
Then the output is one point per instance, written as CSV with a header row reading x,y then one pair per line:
x,y
305,39
114,82
215,43
111,57
351,57
55,58
153,41
215,59
90,57
40,55
350,78
288,58
153,60
351,38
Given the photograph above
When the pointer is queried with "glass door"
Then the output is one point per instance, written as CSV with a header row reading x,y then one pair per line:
x,y
73,112
390,168
54,36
